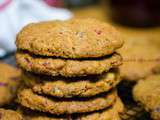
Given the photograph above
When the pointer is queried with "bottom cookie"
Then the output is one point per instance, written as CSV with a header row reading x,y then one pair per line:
x,y
9,115
27,98
111,113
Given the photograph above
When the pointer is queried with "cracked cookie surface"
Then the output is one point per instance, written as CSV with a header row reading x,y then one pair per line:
x,y
75,38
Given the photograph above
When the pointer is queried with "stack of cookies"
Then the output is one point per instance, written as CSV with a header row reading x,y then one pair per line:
x,y
69,70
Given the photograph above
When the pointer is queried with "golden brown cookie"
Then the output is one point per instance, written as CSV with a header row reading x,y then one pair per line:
x,y
65,106
66,67
70,87
147,92
9,115
111,113
140,59
9,81
75,38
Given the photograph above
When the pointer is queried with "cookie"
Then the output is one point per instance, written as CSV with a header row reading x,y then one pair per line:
x,y
64,106
67,68
75,38
140,59
9,81
111,113
69,87
9,115
147,92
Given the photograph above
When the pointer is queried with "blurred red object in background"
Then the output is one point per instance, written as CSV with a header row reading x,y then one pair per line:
x,y
4,4
70,3
55,3
136,12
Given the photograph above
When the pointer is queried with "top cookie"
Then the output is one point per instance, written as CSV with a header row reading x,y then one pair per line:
x,y
75,38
